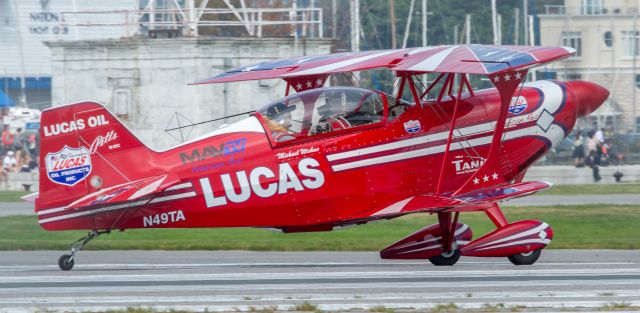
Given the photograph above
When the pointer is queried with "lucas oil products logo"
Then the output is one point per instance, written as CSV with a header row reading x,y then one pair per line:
x,y
412,126
518,105
68,166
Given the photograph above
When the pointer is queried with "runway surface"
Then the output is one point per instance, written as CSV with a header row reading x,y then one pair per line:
x,y
233,280
26,208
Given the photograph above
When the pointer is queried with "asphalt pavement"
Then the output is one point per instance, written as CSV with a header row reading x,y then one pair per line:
x,y
567,280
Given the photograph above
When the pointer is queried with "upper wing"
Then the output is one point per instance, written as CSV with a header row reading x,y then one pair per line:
x,y
476,200
471,59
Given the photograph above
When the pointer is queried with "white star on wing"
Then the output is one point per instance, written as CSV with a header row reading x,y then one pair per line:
x,y
319,82
485,178
299,86
309,84
476,181
250,68
495,176
507,77
518,75
496,78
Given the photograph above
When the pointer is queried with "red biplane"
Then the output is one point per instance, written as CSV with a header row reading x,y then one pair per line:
x,y
327,157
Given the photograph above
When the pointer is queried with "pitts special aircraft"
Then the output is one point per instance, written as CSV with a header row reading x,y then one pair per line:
x,y
327,157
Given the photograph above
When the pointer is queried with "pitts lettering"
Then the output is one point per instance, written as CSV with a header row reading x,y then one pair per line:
x,y
263,182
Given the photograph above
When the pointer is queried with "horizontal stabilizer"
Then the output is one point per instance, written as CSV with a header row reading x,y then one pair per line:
x,y
30,197
126,192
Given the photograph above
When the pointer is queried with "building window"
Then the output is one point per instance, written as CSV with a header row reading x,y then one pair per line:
x,y
592,7
573,40
608,39
572,76
638,81
630,43
122,103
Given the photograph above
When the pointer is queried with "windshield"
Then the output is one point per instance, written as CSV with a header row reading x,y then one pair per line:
x,y
322,110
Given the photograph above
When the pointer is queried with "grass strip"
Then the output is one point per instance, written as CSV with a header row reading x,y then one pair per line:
x,y
593,189
12,196
575,227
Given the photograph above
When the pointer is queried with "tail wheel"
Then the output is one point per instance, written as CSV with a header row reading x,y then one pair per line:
x,y
527,258
446,258
65,262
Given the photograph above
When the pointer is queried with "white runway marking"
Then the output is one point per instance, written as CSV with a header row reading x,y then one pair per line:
x,y
333,281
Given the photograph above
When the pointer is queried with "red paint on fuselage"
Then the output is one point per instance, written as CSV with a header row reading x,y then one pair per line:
x,y
327,188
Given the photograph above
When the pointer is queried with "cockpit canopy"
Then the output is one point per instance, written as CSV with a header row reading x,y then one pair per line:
x,y
322,110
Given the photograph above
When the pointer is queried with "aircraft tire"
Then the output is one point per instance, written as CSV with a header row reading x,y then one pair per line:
x,y
446,259
525,258
65,262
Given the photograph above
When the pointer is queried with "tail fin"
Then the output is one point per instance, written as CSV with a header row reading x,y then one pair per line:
x,y
83,149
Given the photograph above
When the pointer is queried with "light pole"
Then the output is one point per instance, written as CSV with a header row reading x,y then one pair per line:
x,y
23,94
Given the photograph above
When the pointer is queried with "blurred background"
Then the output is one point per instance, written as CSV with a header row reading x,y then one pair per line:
x,y
139,57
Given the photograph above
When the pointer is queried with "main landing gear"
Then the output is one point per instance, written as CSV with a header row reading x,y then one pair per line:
x,y
66,261
443,243
446,258
526,258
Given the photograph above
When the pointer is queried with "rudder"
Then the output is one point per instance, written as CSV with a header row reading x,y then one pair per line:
x,y
83,149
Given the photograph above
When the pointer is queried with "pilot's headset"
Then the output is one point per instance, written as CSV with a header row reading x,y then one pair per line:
x,y
277,112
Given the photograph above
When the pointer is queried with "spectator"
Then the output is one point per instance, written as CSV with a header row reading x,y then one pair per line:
x,y
594,167
578,150
31,146
600,136
7,139
37,148
9,163
33,165
23,162
593,151
18,145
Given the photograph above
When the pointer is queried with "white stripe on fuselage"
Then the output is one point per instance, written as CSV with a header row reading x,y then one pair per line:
x,y
554,134
117,207
465,131
552,102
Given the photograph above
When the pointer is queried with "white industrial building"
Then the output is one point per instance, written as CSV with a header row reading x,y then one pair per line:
x,y
606,36
144,81
25,26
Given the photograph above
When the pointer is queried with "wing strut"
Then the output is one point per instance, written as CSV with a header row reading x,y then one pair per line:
x,y
490,172
450,81
435,82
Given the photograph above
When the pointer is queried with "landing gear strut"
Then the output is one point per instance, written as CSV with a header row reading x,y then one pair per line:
x,y
450,254
65,262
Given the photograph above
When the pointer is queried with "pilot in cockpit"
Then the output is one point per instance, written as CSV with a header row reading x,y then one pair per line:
x,y
332,116
278,119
